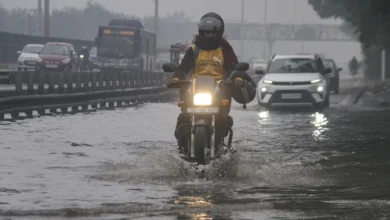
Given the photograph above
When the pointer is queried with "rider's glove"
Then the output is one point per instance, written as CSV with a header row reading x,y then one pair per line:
x,y
238,82
175,80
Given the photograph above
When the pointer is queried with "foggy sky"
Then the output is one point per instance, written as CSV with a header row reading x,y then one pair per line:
x,y
281,11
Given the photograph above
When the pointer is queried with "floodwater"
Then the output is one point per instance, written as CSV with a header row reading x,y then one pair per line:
x,y
123,164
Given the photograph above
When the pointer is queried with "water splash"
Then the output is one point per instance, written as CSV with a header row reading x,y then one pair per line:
x,y
168,167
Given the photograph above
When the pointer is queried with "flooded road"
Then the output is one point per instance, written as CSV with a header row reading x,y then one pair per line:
x,y
123,164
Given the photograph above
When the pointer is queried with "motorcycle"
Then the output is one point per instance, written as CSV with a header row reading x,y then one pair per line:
x,y
201,140
353,72
84,64
353,69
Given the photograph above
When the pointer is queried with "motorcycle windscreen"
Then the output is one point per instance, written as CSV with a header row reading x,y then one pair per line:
x,y
203,84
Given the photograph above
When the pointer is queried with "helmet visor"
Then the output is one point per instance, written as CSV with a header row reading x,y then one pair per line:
x,y
210,24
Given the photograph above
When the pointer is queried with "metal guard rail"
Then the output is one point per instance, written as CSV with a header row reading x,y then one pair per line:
x,y
58,90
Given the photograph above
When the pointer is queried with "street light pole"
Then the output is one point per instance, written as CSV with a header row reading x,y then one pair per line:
x,y
39,23
266,30
155,16
295,20
47,18
156,21
242,27
303,19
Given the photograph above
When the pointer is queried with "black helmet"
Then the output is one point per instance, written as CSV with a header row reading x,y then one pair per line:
x,y
211,22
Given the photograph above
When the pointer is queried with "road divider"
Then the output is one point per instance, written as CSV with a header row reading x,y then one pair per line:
x,y
66,92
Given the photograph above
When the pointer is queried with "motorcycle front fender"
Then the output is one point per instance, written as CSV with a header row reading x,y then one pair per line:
x,y
201,122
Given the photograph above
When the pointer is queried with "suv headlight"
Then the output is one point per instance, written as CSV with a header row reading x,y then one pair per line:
x,y
317,81
202,99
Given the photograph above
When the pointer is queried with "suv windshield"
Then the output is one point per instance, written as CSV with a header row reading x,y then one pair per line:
x,y
115,45
294,65
31,49
56,49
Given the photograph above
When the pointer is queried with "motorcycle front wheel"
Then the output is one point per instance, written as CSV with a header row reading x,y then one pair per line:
x,y
185,141
200,144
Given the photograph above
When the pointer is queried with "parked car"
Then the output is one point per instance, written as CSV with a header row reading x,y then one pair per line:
x,y
294,80
334,76
57,56
29,56
259,64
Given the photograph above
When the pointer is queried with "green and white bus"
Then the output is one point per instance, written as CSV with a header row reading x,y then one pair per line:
x,y
125,44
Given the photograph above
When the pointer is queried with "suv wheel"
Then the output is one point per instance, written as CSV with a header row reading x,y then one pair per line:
x,y
336,89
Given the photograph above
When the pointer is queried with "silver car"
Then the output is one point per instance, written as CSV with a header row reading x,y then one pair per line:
x,y
29,56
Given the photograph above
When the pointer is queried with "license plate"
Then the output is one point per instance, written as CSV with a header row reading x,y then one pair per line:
x,y
291,96
202,110
30,63
51,66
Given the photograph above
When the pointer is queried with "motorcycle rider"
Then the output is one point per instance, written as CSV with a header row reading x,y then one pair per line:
x,y
211,49
353,66
85,52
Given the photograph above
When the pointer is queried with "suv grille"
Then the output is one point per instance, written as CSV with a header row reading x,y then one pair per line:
x,y
292,83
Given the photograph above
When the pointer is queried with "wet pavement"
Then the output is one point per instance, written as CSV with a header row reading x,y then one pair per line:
x,y
123,164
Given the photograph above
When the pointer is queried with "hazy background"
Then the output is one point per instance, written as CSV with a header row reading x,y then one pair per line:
x,y
281,11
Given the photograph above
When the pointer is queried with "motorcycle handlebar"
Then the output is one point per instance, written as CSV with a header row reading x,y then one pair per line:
x,y
182,83
178,84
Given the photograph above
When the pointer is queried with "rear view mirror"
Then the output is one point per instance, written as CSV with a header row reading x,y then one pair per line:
x,y
169,67
242,66
339,69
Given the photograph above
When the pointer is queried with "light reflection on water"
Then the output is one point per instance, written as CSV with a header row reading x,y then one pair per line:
x,y
198,216
319,120
193,201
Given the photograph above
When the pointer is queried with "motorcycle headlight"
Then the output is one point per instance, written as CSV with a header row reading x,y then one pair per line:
x,y
81,56
202,99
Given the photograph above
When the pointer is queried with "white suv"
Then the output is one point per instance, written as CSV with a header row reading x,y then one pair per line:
x,y
294,80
